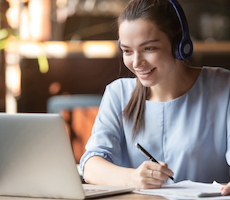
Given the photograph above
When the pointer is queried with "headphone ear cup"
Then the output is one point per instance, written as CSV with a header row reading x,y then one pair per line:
x,y
119,46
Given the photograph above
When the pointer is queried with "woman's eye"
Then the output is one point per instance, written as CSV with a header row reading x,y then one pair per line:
x,y
126,51
149,48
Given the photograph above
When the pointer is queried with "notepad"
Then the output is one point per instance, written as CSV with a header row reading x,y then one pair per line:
x,y
187,189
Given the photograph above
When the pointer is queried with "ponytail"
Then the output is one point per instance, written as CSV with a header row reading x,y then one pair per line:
x,y
135,110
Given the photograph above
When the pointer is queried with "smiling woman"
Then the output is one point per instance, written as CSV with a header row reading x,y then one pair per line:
x,y
150,52
172,109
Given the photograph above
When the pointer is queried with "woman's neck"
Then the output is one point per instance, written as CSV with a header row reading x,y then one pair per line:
x,y
178,83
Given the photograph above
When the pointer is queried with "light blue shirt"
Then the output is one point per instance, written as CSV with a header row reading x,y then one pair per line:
x,y
190,133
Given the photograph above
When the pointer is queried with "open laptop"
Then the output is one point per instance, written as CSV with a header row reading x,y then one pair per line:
x,y
36,159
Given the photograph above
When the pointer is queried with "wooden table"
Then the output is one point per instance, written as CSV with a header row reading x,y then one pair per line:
x,y
132,196
127,196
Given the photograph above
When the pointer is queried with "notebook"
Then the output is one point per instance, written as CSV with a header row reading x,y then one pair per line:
x,y
186,189
36,159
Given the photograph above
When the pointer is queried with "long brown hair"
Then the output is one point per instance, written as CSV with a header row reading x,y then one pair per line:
x,y
162,13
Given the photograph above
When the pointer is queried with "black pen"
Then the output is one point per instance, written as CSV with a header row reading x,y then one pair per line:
x,y
146,153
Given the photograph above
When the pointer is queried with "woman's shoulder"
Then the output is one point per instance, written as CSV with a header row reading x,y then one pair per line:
x,y
215,80
216,71
124,84
215,74
120,90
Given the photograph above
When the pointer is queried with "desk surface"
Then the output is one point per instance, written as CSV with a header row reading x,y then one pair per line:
x,y
132,196
127,196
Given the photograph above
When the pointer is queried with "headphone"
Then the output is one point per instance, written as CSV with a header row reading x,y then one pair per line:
x,y
182,47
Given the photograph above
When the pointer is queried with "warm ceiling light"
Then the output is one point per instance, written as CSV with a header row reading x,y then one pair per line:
x,y
56,49
99,49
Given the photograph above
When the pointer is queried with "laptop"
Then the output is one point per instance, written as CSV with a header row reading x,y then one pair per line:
x,y
36,160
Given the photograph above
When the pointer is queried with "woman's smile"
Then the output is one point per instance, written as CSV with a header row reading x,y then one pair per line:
x,y
145,74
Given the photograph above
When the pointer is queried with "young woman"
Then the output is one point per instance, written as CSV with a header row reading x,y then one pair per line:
x,y
178,113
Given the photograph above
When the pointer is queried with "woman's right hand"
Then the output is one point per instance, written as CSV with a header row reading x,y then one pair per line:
x,y
150,175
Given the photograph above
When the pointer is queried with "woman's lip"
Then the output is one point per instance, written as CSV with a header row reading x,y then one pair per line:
x,y
145,72
146,75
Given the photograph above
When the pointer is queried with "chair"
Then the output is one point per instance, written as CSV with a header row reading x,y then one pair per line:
x,y
57,103
79,112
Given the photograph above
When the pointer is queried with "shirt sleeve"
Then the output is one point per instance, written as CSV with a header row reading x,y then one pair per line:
x,y
228,135
227,155
107,131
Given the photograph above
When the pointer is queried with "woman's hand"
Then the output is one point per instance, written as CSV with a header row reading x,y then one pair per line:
x,y
226,190
150,175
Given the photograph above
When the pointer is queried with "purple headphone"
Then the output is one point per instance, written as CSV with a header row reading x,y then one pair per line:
x,y
182,48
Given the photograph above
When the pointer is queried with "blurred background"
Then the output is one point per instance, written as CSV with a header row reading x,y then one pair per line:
x,y
58,55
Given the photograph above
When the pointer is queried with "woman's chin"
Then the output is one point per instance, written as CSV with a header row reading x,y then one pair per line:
x,y
147,83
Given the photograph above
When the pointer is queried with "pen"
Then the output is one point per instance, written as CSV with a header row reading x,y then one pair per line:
x,y
149,156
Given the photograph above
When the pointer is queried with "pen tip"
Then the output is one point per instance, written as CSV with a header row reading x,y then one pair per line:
x,y
172,179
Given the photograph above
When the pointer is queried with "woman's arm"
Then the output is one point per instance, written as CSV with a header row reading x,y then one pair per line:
x,y
97,170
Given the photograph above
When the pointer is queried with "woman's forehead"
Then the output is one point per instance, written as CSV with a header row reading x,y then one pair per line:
x,y
138,28
137,24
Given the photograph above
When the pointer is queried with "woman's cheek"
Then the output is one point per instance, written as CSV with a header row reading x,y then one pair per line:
x,y
128,64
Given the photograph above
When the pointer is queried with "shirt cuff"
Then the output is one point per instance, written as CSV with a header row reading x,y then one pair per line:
x,y
88,155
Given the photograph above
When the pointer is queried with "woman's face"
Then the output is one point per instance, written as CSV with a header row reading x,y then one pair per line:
x,y
147,51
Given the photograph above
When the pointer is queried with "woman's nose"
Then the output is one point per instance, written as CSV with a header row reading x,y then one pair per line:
x,y
138,61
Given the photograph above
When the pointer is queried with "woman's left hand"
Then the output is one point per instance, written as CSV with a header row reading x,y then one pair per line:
x,y
226,190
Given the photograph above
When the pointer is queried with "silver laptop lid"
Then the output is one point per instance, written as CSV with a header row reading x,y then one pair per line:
x,y
30,146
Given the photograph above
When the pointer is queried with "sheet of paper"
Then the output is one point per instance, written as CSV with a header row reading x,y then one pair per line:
x,y
187,190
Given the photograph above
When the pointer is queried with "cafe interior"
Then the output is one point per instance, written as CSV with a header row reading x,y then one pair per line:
x,y
57,56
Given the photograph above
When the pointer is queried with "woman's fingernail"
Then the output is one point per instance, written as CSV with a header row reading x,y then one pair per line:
x,y
222,189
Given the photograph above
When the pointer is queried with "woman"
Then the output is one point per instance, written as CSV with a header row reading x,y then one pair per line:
x,y
178,113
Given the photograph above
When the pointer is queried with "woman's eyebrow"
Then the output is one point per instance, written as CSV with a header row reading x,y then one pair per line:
x,y
122,45
149,41
142,44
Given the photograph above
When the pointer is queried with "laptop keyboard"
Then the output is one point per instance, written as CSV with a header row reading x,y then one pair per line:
x,y
92,191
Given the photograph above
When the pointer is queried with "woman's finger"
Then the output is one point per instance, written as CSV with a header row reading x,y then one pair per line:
x,y
160,175
151,173
225,190
162,167
150,183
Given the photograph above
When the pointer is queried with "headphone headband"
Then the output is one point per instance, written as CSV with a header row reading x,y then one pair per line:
x,y
181,16
183,48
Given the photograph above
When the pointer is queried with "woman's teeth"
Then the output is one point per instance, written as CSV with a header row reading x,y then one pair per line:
x,y
146,72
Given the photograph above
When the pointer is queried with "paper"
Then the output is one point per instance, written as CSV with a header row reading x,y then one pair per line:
x,y
187,189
